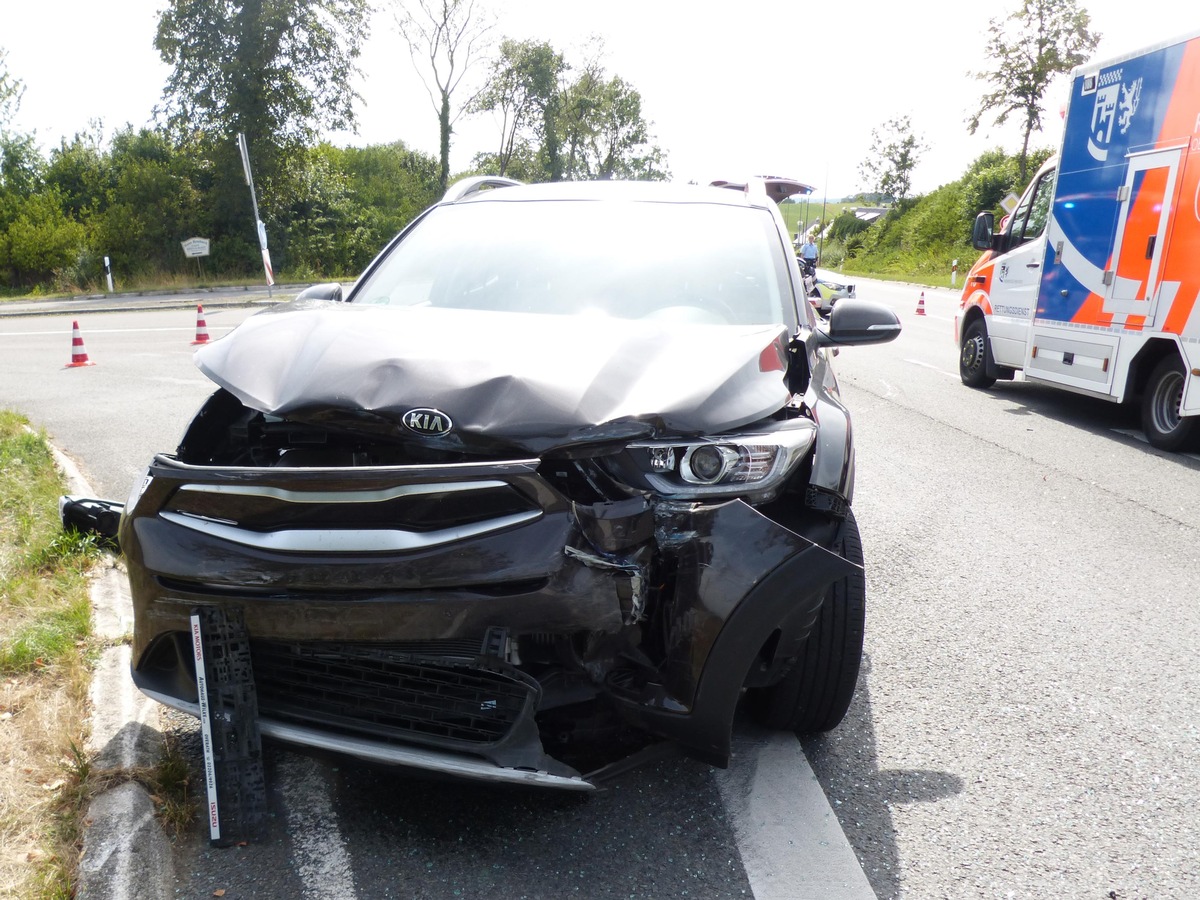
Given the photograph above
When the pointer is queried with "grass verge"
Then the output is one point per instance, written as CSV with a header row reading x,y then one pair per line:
x,y
45,652
46,655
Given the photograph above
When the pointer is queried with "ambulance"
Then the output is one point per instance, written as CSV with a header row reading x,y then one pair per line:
x,y
1091,283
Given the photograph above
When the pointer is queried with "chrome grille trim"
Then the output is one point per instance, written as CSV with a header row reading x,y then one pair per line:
x,y
379,496
345,540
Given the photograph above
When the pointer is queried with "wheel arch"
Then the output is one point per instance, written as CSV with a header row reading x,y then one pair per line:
x,y
1143,364
970,315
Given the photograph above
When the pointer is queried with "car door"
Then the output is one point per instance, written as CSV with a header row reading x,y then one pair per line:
x,y
1133,282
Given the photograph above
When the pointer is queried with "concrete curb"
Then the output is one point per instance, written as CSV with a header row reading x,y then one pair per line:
x,y
125,851
141,301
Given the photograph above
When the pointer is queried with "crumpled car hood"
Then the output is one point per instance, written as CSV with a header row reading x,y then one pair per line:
x,y
533,381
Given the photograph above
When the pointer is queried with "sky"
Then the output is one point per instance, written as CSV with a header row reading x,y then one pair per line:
x,y
775,87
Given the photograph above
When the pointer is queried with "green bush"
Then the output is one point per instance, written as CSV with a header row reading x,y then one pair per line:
x,y
40,240
921,237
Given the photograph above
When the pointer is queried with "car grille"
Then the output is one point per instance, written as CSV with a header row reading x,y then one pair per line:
x,y
419,508
393,691
390,518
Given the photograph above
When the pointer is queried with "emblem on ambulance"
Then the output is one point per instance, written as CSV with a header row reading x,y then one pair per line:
x,y
1114,106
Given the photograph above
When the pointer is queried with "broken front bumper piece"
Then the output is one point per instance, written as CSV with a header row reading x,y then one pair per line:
x,y
458,617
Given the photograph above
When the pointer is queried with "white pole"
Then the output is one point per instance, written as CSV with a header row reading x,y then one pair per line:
x,y
108,274
262,229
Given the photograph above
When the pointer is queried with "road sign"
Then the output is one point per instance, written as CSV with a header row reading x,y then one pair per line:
x,y
195,246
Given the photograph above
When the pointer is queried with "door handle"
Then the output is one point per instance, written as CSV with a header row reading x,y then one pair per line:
x,y
1150,246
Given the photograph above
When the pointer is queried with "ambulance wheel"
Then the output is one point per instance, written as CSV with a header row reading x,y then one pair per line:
x,y
815,693
975,355
1165,428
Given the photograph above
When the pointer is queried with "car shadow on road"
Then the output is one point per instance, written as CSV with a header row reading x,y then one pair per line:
x,y
863,796
1103,418
338,827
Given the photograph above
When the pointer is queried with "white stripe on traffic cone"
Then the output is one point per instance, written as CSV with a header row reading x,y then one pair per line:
x,y
201,326
79,355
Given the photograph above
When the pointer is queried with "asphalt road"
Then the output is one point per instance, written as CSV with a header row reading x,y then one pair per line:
x,y
1027,722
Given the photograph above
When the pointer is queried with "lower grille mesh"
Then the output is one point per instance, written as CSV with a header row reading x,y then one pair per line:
x,y
389,691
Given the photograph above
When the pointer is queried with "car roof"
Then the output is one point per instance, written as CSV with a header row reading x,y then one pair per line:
x,y
484,190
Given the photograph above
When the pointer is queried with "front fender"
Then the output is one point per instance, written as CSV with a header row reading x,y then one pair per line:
x,y
720,620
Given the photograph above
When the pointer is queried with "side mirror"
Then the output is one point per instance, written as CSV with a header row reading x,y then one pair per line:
x,y
858,322
330,291
982,231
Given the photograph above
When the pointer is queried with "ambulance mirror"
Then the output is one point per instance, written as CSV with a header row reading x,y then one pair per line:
x,y
981,232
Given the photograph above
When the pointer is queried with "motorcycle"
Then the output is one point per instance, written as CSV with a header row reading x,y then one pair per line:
x,y
808,275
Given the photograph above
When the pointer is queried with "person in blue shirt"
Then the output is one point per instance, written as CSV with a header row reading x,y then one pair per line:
x,y
808,254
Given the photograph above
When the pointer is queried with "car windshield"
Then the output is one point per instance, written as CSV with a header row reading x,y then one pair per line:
x,y
691,262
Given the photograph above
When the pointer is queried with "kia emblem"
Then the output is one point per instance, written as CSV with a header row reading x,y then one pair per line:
x,y
428,422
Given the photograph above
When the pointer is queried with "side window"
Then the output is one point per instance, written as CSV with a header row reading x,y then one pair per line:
x,y
1029,221
1039,212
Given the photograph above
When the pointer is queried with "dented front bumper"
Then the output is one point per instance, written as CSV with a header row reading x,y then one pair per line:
x,y
451,616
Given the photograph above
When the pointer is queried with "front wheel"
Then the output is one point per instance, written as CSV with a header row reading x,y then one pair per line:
x,y
1165,428
815,693
974,355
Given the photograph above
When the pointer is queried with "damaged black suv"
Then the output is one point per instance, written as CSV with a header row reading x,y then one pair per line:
x,y
566,465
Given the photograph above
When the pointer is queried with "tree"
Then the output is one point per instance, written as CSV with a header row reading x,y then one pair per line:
x,y
621,145
275,70
600,131
522,88
81,173
448,36
11,90
994,175
391,185
21,166
576,117
153,204
1029,47
897,150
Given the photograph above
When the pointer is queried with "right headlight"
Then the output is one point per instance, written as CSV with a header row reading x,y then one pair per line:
x,y
729,465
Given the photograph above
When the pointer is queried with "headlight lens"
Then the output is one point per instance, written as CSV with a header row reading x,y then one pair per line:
x,y
755,465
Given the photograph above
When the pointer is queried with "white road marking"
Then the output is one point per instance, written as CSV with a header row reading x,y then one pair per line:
x,y
791,843
318,849
917,362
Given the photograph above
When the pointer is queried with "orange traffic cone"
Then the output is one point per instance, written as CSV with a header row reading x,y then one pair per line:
x,y
79,355
921,305
201,326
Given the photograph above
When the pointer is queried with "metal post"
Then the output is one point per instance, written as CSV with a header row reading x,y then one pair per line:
x,y
821,232
262,229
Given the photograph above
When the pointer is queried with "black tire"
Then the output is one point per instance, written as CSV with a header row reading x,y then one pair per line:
x,y
1165,428
975,357
815,693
